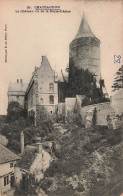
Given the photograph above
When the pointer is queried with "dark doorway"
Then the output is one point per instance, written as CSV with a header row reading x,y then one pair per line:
x,y
12,181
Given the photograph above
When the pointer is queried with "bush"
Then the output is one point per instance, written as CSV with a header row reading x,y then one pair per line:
x,y
60,118
101,129
89,147
45,123
15,111
115,138
45,183
96,139
80,187
74,119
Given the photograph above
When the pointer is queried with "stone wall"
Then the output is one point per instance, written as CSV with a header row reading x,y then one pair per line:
x,y
85,53
16,92
69,105
3,140
102,110
61,109
40,164
16,96
78,103
117,102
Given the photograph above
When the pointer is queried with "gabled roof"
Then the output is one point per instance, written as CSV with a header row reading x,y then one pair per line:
x,y
45,63
6,155
84,29
28,157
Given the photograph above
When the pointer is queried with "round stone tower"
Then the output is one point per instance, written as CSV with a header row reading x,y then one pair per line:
x,y
84,50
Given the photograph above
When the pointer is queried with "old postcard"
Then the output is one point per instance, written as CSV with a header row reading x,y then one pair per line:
x,y
61,97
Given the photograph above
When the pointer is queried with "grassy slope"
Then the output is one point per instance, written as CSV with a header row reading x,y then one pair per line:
x,y
89,162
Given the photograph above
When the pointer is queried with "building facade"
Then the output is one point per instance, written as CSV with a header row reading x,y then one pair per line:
x,y
42,90
16,92
7,169
35,160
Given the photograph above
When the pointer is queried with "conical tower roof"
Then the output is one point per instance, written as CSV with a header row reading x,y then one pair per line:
x,y
84,29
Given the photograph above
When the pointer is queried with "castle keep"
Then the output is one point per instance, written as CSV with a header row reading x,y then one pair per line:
x,y
83,77
84,50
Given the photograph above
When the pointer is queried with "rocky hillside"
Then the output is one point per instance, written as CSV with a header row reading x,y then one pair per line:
x,y
88,163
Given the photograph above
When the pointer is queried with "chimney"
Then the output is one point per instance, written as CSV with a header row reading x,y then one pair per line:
x,y
22,142
43,58
17,80
39,147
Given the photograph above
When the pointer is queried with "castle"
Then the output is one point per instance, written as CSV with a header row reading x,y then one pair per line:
x,y
82,77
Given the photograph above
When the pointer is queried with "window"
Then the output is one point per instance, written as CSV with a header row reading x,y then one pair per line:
x,y
11,164
51,87
6,180
40,89
17,98
41,100
51,99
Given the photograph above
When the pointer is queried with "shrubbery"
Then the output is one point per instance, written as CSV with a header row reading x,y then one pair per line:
x,y
45,183
17,121
74,119
27,187
15,111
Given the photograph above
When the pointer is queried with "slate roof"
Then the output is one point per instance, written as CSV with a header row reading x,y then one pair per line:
x,y
45,63
84,29
6,155
21,87
28,157
62,77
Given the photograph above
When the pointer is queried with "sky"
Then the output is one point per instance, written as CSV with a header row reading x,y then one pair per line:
x,y
32,35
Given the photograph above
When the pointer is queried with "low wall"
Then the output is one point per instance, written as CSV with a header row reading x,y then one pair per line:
x,y
61,109
69,105
102,110
79,99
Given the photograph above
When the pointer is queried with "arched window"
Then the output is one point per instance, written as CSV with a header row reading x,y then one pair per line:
x,y
51,99
51,87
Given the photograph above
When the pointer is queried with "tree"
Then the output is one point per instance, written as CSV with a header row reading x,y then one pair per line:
x,y
12,132
27,186
15,111
118,80
45,123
